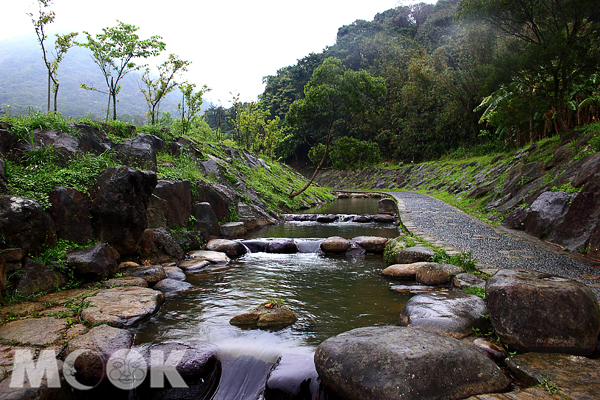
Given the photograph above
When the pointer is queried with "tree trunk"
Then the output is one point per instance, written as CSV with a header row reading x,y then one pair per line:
x,y
56,97
314,175
48,110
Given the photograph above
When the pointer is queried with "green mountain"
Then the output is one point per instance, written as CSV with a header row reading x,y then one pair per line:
x,y
24,82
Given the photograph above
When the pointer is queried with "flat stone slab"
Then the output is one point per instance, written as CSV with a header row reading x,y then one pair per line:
x,y
403,271
214,257
414,254
375,244
34,331
125,281
416,289
65,295
191,266
577,377
535,393
123,306
468,280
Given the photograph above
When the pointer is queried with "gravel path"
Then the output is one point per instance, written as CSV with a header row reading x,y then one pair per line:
x,y
495,247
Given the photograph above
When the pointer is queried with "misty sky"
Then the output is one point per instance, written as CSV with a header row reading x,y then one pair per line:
x,y
232,43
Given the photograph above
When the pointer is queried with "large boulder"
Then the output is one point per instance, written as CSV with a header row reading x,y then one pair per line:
x,y
254,217
232,248
178,197
24,224
199,367
413,254
387,206
140,152
64,145
70,211
219,197
91,140
205,219
156,212
119,212
452,313
36,277
282,246
387,362
437,274
335,244
94,263
533,311
158,246
546,212
294,378
373,244
233,229
152,274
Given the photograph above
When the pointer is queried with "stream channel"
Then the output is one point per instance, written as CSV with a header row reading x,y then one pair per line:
x,y
329,295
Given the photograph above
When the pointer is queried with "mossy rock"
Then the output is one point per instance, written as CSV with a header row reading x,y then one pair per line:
x,y
266,315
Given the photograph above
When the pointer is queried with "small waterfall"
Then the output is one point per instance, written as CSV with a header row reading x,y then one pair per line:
x,y
309,246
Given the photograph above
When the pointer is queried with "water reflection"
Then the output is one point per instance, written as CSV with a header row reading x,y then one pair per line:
x,y
346,206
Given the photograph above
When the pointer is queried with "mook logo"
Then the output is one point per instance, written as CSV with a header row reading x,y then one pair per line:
x,y
126,369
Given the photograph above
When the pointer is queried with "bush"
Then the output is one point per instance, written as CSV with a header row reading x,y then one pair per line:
x,y
350,153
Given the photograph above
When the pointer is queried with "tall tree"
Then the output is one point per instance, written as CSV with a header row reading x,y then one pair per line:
x,y
114,52
334,97
193,102
156,89
62,44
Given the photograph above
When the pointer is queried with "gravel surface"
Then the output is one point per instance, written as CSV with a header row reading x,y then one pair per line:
x,y
490,246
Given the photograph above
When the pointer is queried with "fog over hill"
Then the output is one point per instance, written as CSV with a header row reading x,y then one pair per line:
x,y
24,80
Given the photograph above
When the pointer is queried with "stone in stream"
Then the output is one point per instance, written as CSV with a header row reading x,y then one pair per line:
x,y
533,311
491,348
390,362
232,248
335,244
233,229
192,266
282,246
198,366
403,271
174,273
256,246
150,273
373,244
413,254
214,257
362,218
327,218
437,274
453,313
383,218
577,377
168,286
294,377
122,306
387,206
266,315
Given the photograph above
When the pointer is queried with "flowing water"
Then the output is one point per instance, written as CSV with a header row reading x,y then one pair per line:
x,y
329,294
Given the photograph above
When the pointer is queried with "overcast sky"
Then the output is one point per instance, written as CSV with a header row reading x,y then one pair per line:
x,y
232,43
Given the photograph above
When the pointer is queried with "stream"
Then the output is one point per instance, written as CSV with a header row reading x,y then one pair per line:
x,y
329,295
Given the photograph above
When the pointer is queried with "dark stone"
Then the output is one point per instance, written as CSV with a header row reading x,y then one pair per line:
x,y
465,280
453,313
119,212
2,175
561,156
172,286
175,273
36,277
157,246
200,369
64,145
25,224
387,206
70,211
7,141
156,212
205,219
282,246
91,140
532,311
587,170
520,175
177,195
254,217
190,240
94,263
516,218
233,229
150,273
293,378
218,199
546,212
327,218
266,315
256,246
437,274
491,348
383,218
387,362
232,248
139,152
362,218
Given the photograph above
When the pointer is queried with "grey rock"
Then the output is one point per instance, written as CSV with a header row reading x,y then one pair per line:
x,y
233,229
437,274
94,263
232,248
414,254
387,206
172,286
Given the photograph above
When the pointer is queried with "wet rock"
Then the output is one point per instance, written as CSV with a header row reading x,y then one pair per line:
x,y
546,212
97,346
387,206
24,224
232,248
122,307
395,362
335,244
119,212
374,244
125,281
355,250
383,218
214,257
139,152
175,273
494,350
33,331
233,229
416,289
266,315
150,273
94,263
293,378
327,218
172,286
177,195
532,311
362,218
36,277
256,246
437,274
468,280
192,266
37,390
403,271
199,367
282,247
70,211
205,219
452,313
156,211
577,377
215,195
414,254
158,246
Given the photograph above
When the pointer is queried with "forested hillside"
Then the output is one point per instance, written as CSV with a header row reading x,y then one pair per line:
x,y
23,84
458,74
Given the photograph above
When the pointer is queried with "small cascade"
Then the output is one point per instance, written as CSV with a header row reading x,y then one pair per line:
x,y
309,246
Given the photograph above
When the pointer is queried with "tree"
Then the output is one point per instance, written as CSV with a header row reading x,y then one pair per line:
x,y
114,52
193,102
62,44
156,89
334,97
250,123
